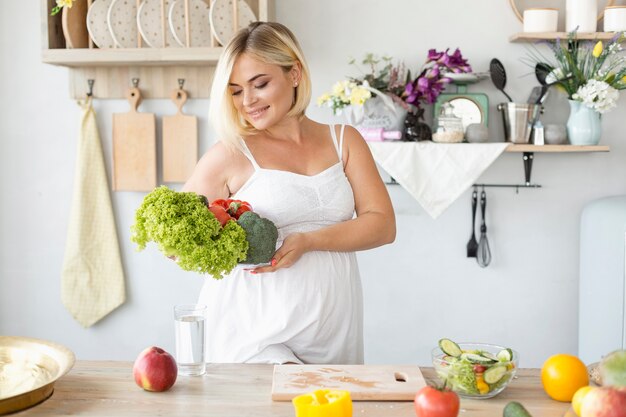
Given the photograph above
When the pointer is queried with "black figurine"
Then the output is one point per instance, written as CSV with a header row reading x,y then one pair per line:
x,y
414,129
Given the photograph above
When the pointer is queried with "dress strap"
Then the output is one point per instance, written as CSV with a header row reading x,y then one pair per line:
x,y
338,143
246,151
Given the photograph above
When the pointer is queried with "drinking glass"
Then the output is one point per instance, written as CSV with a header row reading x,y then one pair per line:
x,y
189,321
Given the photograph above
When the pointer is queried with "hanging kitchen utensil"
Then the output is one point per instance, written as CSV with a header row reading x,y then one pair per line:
x,y
535,94
472,245
134,147
483,257
498,76
180,141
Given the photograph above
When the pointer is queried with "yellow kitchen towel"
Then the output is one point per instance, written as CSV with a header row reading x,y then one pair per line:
x,y
93,278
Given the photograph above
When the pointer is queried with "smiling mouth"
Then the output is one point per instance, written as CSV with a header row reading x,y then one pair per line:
x,y
258,113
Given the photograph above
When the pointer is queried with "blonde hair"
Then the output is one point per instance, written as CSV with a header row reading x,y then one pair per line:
x,y
269,42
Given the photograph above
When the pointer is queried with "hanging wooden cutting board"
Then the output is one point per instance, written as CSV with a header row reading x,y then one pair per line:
x,y
134,148
365,382
180,142
74,24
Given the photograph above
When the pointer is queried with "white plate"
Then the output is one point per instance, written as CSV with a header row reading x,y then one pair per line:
x,y
97,25
150,22
122,20
222,18
199,26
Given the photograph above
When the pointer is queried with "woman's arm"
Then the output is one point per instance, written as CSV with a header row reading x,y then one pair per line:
x,y
375,224
210,176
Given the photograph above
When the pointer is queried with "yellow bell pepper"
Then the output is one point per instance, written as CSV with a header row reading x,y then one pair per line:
x,y
482,386
323,403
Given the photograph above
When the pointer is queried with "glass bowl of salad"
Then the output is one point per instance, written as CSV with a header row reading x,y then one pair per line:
x,y
474,370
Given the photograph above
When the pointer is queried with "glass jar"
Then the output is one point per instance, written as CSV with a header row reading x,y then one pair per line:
x,y
449,127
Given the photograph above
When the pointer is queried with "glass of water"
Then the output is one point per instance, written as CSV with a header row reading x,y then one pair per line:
x,y
189,321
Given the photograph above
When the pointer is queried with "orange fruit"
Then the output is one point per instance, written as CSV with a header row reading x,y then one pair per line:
x,y
562,375
579,397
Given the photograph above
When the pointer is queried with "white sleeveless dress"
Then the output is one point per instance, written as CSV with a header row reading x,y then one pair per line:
x,y
311,312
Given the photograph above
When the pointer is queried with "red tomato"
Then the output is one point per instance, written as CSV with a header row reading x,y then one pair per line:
x,y
479,369
432,402
221,214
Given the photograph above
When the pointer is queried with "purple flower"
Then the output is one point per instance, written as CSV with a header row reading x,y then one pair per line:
x,y
433,55
430,83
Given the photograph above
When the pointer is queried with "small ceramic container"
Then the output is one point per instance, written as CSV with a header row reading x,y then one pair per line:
x,y
477,133
615,19
554,134
540,20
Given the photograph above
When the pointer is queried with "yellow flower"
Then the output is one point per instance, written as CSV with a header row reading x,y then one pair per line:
x,y
323,99
597,50
339,87
624,79
358,96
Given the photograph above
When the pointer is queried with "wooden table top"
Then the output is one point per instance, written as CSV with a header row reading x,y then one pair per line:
x,y
105,388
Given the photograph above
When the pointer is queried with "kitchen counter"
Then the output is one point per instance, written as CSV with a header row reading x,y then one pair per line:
x,y
100,388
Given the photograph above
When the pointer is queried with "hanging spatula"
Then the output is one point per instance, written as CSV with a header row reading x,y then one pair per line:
x,y
472,245
498,76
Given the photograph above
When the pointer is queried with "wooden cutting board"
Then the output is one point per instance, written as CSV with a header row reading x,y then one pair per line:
x,y
180,141
365,382
134,148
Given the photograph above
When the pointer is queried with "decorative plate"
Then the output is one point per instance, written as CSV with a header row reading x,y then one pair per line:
x,y
122,20
152,24
222,18
97,25
199,30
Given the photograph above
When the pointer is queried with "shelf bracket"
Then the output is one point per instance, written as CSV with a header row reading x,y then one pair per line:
x,y
528,157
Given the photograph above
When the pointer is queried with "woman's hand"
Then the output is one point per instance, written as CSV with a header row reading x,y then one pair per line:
x,y
292,249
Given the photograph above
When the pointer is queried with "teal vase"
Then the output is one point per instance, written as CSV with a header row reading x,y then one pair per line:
x,y
583,125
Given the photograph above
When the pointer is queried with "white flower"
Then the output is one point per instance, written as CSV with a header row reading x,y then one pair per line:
x,y
597,95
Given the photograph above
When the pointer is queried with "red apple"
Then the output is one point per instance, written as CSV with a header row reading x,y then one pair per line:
x,y
604,402
155,369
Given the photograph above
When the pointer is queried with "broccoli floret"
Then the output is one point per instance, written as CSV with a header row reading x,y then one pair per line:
x,y
261,235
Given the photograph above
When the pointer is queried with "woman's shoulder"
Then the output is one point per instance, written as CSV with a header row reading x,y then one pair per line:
x,y
221,156
349,132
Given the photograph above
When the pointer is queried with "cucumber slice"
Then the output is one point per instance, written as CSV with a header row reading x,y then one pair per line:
x,y
494,374
489,355
505,355
478,359
450,348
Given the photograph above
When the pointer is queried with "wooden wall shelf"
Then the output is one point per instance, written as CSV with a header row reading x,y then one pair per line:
x,y
158,69
556,148
531,37
131,56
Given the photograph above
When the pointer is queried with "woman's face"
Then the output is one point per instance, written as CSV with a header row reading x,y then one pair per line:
x,y
262,93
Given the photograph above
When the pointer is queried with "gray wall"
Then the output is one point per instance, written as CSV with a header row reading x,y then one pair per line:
x,y
417,290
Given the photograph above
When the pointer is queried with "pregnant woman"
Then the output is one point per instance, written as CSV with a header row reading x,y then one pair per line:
x,y
317,183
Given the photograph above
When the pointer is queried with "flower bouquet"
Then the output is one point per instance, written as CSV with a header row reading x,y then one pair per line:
x,y
591,74
372,100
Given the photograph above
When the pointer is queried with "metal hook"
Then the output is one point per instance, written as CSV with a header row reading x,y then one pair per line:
x,y
135,82
90,83
181,83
